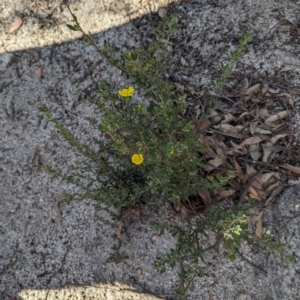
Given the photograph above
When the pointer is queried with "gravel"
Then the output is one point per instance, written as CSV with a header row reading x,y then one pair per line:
x,y
44,64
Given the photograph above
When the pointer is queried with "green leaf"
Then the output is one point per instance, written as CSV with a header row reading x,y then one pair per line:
x,y
74,28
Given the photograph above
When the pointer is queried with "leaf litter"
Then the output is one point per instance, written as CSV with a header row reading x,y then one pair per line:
x,y
255,143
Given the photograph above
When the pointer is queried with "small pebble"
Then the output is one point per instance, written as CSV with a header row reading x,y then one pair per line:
x,y
192,62
268,54
58,115
162,12
244,18
154,238
183,61
170,48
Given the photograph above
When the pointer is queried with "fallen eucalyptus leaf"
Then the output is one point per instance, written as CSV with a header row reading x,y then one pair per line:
x,y
256,221
259,224
275,193
254,151
227,118
267,150
252,193
213,163
286,69
239,171
16,25
253,89
277,137
39,72
295,170
261,131
287,97
250,170
250,141
278,116
265,88
225,193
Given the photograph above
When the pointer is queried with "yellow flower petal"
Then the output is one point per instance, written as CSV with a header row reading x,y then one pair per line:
x,y
126,92
137,159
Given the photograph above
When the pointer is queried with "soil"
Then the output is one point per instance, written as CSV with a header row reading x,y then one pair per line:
x,y
45,256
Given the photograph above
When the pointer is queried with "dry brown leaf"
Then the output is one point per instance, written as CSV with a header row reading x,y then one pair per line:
x,y
250,170
233,183
275,193
135,212
36,162
229,130
272,186
215,117
295,170
227,118
244,114
236,148
119,229
277,137
249,220
277,148
202,124
206,197
252,193
239,171
265,88
263,194
226,128
254,151
39,72
16,25
256,221
256,184
222,145
252,127
272,91
265,178
225,193
206,145
267,150
128,211
221,154
286,69
59,199
258,130
253,89
250,141
278,116
239,128
259,225
263,113
213,164
287,97
213,142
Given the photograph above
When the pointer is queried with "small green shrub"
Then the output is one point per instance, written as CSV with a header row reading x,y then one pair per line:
x,y
149,152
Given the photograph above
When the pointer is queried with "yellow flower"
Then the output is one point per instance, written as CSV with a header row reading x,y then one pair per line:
x,y
137,159
126,92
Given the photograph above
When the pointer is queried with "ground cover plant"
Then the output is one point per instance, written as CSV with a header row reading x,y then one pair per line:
x,y
159,151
